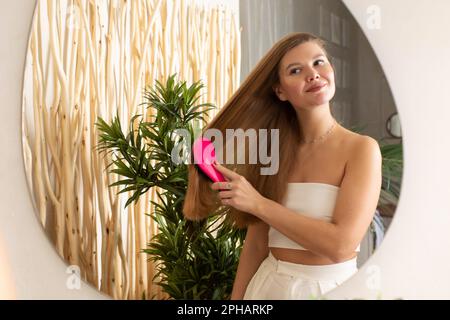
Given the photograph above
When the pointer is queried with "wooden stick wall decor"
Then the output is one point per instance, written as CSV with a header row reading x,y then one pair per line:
x,y
89,59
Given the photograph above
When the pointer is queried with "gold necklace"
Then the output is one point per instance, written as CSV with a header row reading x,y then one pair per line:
x,y
321,137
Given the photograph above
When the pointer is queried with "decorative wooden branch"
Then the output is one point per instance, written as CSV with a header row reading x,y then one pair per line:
x,y
90,59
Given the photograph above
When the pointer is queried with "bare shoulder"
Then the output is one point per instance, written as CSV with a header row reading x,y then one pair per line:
x,y
358,145
367,148
363,166
363,154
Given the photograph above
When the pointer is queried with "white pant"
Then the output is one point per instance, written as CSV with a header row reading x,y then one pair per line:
x,y
281,280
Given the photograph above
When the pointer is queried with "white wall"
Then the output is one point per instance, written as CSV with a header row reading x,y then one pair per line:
x,y
412,46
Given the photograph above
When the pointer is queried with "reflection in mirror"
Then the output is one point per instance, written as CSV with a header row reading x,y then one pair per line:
x,y
363,100
393,126
93,61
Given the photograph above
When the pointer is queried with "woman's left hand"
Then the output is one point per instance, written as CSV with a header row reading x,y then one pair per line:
x,y
237,191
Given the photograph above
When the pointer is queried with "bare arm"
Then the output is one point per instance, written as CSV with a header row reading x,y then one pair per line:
x,y
355,206
254,251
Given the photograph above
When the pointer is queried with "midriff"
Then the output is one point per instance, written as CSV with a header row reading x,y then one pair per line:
x,y
302,256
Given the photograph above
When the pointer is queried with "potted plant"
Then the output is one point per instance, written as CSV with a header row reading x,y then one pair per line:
x,y
194,260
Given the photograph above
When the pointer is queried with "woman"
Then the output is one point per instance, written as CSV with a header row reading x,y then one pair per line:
x,y
305,223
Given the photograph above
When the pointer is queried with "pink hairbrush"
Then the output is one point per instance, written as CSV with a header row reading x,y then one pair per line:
x,y
204,157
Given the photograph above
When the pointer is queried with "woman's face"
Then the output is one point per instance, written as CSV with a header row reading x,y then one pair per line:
x,y
302,70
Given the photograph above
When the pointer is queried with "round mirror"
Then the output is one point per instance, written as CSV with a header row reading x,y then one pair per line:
x,y
393,126
92,66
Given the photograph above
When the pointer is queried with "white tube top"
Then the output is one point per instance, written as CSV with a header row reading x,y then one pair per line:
x,y
311,199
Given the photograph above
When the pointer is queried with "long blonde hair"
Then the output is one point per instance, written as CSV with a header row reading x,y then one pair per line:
x,y
253,106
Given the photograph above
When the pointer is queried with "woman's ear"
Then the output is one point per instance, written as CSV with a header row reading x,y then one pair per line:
x,y
279,92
